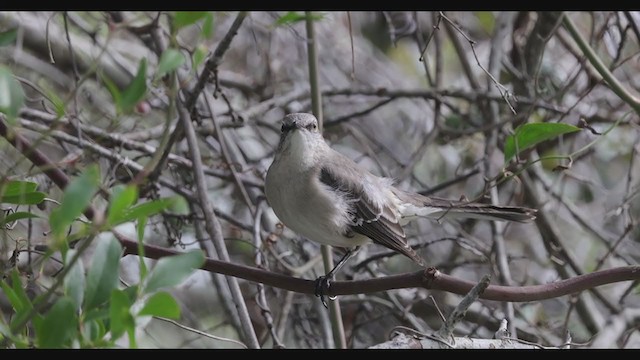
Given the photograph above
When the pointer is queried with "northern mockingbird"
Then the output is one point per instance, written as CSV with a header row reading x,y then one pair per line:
x,y
326,197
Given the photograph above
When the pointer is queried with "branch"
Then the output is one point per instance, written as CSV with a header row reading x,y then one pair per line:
x,y
211,65
100,136
402,341
212,225
430,279
119,159
335,312
593,58
471,96
446,330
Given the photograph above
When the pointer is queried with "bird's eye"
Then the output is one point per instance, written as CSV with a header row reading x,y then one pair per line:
x,y
283,128
312,127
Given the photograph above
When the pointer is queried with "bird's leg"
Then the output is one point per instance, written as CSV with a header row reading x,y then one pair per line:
x,y
323,282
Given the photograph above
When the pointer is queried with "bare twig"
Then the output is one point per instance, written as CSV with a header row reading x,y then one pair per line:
x,y
218,280
211,66
202,333
316,104
353,52
212,225
595,60
261,297
471,96
502,29
446,330
504,92
633,25
225,153
119,159
123,140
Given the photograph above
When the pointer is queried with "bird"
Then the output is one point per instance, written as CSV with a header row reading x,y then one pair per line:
x,y
326,197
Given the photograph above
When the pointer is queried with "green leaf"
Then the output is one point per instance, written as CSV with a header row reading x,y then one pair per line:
x,y
16,187
96,314
170,60
8,37
142,222
58,326
11,95
147,209
161,304
199,55
31,198
17,216
172,270
122,198
74,280
93,330
528,135
75,200
120,317
5,331
179,206
52,95
136,90
15,293
11,295
293,17
487,20
186,18
207,26
115,92
103,272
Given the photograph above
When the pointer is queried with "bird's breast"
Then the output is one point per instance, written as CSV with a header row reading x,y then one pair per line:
x,y
300,202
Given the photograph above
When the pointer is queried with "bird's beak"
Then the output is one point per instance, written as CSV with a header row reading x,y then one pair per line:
x,y
286,128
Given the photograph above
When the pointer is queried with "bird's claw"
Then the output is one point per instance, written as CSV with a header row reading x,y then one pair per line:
x,y
322,285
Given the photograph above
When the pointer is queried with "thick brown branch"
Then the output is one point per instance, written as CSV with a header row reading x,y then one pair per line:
x,y
431,278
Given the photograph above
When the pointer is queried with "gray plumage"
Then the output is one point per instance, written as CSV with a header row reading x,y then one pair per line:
x,y
326,197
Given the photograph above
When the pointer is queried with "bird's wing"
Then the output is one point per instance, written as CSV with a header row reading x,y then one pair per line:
x,y
371,218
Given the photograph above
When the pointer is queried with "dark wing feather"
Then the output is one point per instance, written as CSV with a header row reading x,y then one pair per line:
x,y
379,224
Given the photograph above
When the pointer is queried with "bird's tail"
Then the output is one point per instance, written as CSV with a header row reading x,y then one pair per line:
x,y
433,207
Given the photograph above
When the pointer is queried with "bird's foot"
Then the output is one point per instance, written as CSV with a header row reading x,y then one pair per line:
x,y
322,285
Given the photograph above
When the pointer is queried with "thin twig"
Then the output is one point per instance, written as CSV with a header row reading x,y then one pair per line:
x,y
344,118
76,74
200,332
123,140
502,29
353,52
595,60
633,25
316,104
227,157
504,92
471,96
260,261
212,225
119,159
211,66
446,330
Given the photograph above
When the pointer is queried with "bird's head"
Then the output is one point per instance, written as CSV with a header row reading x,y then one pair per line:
x,y
298,130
